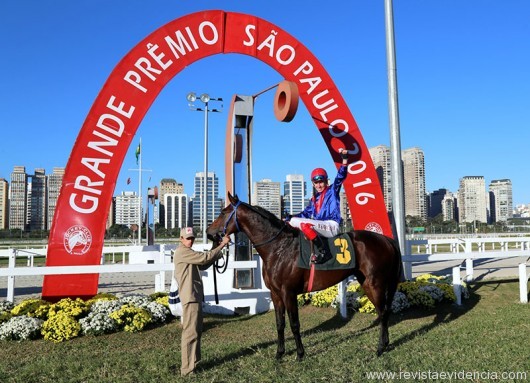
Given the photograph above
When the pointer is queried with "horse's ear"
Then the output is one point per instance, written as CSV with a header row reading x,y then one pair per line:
x,y
233,199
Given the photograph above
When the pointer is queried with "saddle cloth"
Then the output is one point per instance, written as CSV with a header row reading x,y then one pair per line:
x,y
340,247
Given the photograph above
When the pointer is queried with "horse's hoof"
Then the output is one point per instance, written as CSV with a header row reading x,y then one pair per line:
x,y
279,355
380,351
300,357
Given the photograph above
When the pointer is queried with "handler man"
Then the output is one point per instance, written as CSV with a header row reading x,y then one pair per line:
x,y
188,264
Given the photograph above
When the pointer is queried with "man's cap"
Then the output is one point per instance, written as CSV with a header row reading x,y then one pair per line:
x,y
187,232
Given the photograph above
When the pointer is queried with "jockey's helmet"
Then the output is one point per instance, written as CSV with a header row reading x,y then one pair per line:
x,y
319,174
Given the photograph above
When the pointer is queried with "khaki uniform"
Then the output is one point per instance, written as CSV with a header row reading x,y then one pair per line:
x,y
188,264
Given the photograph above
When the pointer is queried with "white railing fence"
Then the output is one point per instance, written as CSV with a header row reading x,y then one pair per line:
x,y
467,250
158,267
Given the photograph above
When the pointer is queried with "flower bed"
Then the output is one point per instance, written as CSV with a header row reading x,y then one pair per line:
x,y
425,291
107,313
68,318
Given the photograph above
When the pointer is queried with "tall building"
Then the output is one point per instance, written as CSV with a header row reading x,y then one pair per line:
x,y
267,194
111,218
214,204
177,214
435,202
472,200
18,198
127,208
55,181
414,182
294,193
381,158
4,205
501,200
38,203
449,207
344,209
167,186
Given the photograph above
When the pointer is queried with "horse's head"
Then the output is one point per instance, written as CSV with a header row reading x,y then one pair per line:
x,y
226,223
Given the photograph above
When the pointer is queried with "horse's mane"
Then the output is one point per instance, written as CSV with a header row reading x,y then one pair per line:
x,y
275,221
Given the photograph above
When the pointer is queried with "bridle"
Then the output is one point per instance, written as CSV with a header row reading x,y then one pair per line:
x,y
233,214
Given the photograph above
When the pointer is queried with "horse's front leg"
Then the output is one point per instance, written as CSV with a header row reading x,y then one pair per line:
x,y
279,309
294,321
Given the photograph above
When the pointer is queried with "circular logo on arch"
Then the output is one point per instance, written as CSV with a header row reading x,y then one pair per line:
x,y
374,226
77,240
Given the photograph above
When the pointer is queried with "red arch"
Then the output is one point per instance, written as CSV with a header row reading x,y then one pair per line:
x,y
78,227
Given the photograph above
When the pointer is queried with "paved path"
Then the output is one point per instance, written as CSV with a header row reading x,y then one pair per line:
x,y
144,282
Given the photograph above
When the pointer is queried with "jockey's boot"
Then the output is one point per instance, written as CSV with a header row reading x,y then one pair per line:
x,y
318,253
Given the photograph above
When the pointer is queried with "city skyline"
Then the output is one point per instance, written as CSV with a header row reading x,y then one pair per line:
x,y
461,67
475,201
132,186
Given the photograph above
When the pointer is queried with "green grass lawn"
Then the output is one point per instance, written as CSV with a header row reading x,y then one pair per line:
x,y
489,334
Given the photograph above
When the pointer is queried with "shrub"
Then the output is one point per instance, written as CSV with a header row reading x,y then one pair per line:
x,y
400,302
135,300
20,328
6,306
159,313
420,298
160,294
430,278
60,327
74,308
325,297
131,319
303,299
163,300
98,323
105,306
433,290
28,307
366,306
100,297
5,316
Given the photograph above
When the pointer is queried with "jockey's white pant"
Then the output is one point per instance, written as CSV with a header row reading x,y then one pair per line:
x,y
327,228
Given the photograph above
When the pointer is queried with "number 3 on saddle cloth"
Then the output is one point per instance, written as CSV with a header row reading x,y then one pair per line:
x,y
340,247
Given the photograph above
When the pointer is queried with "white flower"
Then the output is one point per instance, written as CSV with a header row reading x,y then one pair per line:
x,y
352,300
97,323
21,328
159,312
105,306
137,300
6,306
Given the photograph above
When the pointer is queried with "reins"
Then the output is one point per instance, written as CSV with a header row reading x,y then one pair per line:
x,y
217,268
273,238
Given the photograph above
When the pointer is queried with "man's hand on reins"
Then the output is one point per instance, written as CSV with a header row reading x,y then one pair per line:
x,y
225,241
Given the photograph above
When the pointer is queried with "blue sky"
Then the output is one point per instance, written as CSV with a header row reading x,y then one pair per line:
x,y
463,78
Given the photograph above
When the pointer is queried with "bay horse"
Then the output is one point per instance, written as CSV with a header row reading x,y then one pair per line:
x,y
378,266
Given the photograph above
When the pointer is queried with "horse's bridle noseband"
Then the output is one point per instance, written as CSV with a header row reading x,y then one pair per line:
x,y
232,214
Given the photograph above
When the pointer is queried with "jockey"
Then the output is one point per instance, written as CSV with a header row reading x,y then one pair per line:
x,y
322,215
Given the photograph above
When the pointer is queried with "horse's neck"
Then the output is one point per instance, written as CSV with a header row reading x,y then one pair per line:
x,y
261,233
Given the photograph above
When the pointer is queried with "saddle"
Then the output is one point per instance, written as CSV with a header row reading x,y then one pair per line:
x,y
339,249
